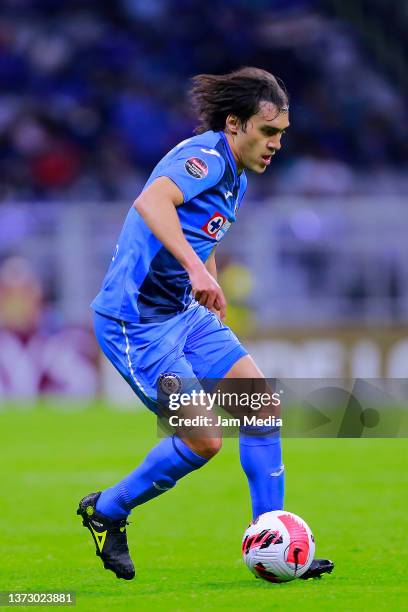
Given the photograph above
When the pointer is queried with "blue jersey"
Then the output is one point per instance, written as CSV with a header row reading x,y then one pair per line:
x,y
145,283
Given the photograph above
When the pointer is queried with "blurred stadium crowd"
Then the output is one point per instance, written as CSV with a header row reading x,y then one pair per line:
x,y
94,93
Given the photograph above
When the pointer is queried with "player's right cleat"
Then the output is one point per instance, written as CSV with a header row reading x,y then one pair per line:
x,y
317,568
109,537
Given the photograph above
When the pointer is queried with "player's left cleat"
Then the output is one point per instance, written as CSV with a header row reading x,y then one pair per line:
x,y
109,537
317,568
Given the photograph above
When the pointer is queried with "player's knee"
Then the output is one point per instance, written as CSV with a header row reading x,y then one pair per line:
x,y
205,447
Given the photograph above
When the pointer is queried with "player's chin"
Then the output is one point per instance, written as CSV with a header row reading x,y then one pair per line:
x,y
259,167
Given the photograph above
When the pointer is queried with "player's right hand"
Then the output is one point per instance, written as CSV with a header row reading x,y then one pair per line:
x,y
207,291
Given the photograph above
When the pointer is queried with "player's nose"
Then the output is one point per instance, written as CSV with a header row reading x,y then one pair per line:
x,y
274,145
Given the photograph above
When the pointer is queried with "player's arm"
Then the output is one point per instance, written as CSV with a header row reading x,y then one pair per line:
x,y
157,206
212,269
211,265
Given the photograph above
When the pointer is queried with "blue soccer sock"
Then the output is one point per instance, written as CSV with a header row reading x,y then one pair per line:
x,y
166,463
261,460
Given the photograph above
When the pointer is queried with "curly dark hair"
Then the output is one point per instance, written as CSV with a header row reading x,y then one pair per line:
x,y
239,93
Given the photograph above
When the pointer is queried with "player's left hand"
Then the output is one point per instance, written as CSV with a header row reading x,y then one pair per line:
x,y
217,312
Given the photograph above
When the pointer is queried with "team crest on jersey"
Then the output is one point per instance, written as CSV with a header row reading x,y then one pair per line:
x,y
214,225
169,383
196,167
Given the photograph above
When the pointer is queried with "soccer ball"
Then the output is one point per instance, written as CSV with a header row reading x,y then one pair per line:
x,y
278,546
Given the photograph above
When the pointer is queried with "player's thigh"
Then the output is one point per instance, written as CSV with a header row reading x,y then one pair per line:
x,y
151,360
244,367
245,379
224,366
211,347
146,356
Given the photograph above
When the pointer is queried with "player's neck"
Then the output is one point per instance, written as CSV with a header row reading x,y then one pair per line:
x,y
232,146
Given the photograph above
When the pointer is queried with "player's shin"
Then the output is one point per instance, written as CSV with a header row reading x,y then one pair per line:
x,y
261,460
166,463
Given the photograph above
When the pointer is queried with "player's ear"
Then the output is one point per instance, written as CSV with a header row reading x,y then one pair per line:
x,y
232,124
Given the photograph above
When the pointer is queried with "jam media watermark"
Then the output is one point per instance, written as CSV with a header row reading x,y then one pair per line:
x,y
191,407
229,401
223,421
336,408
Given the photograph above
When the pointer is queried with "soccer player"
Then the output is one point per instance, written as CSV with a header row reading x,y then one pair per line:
x,y
158,316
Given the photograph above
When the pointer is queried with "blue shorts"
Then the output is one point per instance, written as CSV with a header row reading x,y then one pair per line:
x,y
194,344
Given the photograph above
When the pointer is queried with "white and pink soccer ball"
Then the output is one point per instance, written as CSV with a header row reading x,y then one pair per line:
x,y
278,546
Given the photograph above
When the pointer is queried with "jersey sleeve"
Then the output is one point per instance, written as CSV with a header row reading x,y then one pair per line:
x,y
194,169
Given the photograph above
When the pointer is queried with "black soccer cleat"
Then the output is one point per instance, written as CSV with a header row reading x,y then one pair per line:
x,y
109,537
317,568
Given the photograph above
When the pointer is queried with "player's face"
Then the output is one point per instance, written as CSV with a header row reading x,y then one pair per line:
x,y
255,145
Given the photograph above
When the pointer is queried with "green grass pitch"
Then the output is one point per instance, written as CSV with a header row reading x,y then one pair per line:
x,y
186,543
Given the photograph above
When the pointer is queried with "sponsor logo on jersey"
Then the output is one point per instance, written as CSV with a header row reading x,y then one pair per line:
x,y
223,230
169,383
214,225
196,167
